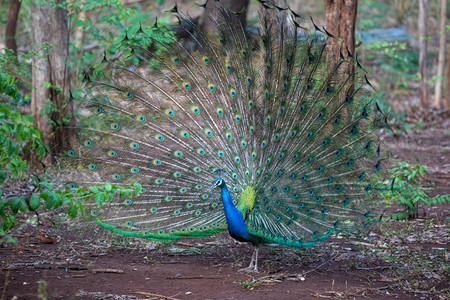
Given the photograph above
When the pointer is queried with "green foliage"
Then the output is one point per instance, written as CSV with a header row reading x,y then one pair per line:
x,y
374,14
104,31
46,197
395,59
98,194
406,191
17,137
251,282
42,290
22,65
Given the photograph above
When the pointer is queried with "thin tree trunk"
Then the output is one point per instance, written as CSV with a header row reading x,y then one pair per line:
x,y
48,103
447,84
423,11
441,60
332,25
11,25
79,37
348,24
340,21
401,11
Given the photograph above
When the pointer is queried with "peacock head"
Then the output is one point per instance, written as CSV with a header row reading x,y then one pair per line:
x,y
219,182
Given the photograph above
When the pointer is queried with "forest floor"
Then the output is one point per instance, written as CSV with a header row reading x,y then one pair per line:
x,y
400,259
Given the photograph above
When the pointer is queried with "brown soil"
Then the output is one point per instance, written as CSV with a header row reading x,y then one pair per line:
x,y
401,260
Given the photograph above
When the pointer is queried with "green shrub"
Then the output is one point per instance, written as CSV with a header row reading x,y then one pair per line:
x,y
407,192
17,137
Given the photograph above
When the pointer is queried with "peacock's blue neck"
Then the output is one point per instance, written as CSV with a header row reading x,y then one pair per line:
x,y
235,221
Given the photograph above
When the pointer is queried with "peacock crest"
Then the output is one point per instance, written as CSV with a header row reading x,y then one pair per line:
x,y
293,138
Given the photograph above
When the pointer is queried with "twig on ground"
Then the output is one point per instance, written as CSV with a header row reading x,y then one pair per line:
x,y
155,295
117,271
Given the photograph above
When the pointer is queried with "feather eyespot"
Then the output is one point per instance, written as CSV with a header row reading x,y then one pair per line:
x,y
169,112
208,132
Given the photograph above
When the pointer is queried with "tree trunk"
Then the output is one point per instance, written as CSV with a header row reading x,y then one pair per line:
x,y
423,11
441,60
50,72
447,84
401,11
208,25
340,21
11,25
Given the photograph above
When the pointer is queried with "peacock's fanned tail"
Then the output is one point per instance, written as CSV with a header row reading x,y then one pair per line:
x,y
265,111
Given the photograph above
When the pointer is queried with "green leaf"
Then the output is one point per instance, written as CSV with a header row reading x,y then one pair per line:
x,y
9,222
22,205
72,211
16,117
14,205
45,185
35,202
79,23
2,177
49,203
99,198
57,201
94,189
109,197
80,206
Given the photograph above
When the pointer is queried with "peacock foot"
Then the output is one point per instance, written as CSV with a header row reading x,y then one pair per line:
x,y
249,269
253,267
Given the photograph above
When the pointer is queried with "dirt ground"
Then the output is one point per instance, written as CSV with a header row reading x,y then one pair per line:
x,y
402,260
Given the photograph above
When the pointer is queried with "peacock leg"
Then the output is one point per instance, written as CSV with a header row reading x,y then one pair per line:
x,y
253,267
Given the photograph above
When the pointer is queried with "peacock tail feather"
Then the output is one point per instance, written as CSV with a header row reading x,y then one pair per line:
x,y
295,137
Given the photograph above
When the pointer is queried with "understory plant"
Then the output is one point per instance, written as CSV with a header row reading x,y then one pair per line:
x,y
20,139
406,191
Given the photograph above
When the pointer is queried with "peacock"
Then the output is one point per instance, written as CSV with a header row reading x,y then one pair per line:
x,y
258,133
